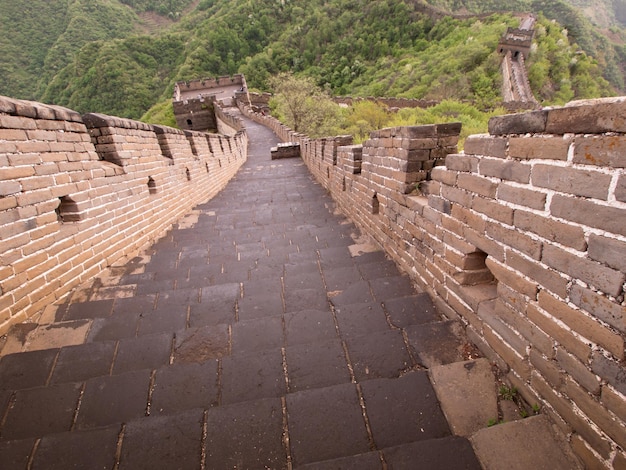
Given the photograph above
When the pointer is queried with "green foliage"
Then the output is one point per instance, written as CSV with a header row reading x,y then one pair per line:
x,y
303,106
161,113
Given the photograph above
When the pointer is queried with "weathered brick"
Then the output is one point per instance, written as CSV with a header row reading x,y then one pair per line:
x,y
599,306
17,122
469,217
534,199
514,239
620,189
458,196
614,401
536,338
563,407
510,357
512,278
575,345
548,369
16,172
588,117
609,251
444,175
546,277
509,170
550,229
477,184
583,324
13,134
485,145
579,371
493,248
606,279
9,187
600,150
540,147
587,183
460,162
596,412
520,123
589,213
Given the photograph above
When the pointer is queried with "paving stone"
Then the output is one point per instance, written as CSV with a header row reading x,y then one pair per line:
x,y
173,441
158,285
339,279
436,343
145,352
5,396
93,309
507,446
308,326
257,335
26,370
40,411
403,410
369,461
169,299
325,423
378,355
303,280
163,321
378,269
55,335
182,387
89,449
201,344
435,454
315,365
114,399
133,305
114,328
251,377
390,287
82,362
411,310
373,257
246,435
360,319
16,454
335,257
359,292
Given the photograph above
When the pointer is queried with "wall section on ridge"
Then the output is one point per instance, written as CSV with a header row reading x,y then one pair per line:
x,y
79,193
522,238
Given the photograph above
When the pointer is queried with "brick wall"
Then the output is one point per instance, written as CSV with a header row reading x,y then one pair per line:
x,y
79,193
522,238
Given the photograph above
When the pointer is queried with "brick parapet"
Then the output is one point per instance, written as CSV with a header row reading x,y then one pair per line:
x,y
78,194
521,237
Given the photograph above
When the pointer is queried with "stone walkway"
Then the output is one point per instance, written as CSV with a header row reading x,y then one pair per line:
x,y
260,332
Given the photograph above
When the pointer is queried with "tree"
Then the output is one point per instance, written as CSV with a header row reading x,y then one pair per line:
x,y
302,105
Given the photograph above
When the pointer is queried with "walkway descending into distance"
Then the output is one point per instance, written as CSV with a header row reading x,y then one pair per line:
x,y
248,337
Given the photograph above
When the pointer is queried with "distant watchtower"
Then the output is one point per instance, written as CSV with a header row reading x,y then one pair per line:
x,y
517,41
194,101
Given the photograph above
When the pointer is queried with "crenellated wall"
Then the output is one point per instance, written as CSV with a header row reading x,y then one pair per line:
x,y
522,238
80,193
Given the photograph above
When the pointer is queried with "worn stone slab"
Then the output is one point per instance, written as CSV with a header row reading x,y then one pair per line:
x,y
507,446
40,411
308,326
436,343
252,377
82,362
411,310
533,122
55,335
114,328
182,387
303,299
145,352
435,454
196,345
316,365
325,424
368,461
378,355
257,335
89,310
173,441
356,293
26,370
395,286
403,410
377,269
360,319
338,279
455,384
246,435
16,453
114,399
94,448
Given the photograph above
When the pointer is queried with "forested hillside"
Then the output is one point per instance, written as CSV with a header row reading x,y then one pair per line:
x,y
103,56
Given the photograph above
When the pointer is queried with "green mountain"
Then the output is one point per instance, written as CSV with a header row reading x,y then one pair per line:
x,y
123,57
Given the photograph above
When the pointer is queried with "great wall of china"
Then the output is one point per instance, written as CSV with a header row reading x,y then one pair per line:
x,y
521,237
